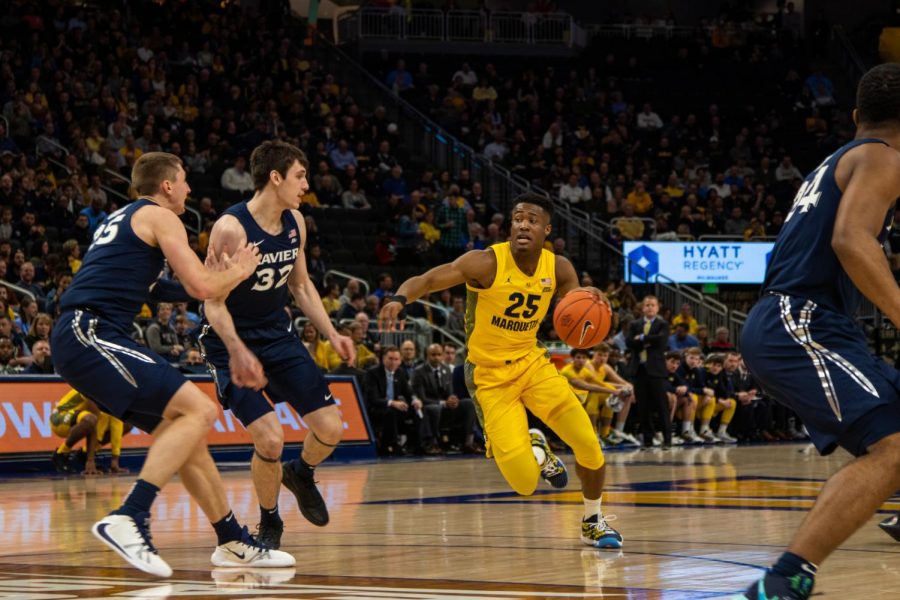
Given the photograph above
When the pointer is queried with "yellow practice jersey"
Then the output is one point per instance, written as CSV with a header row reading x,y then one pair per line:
x,y
502,320
586,375
73,401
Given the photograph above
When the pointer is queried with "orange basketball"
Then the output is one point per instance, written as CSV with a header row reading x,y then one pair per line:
x,y
581,320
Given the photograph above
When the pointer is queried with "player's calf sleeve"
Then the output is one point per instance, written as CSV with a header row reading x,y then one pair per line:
x,y
574,428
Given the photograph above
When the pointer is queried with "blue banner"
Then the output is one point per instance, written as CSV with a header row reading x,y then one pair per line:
x,y
697,262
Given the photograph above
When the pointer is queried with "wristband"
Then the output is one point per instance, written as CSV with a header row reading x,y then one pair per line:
x,y
398,298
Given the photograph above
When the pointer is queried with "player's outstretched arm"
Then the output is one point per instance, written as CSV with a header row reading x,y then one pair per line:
x,y
476,267
200,282
872,187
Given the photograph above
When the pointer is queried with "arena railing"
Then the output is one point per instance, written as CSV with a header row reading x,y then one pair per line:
x,y
426,24
115,175
466,26
63,167
332,273
371,22
736,320
18,289
443,331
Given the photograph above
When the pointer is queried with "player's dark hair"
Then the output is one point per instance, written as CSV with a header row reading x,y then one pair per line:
x,y
538,200
389,349
151,169
274,155
582,351
715,359
674,354
878,95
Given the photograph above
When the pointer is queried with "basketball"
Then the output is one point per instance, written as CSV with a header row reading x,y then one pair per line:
x,y
581,320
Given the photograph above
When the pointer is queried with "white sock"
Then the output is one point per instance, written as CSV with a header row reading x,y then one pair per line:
x,y
539,455
685,426
723,429
592,507
619,428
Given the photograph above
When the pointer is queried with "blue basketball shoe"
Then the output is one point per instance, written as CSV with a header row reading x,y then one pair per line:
x,y
553,470
596,532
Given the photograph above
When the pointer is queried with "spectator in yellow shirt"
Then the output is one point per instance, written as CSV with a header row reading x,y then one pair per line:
x,y
332,299
426,227
685,316
325,357
365,358
640,199
630,226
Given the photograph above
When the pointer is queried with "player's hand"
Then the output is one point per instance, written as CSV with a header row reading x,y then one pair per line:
x,y
246,370
213,262
344,346
90,468
392,316
452,401
417,404
245,260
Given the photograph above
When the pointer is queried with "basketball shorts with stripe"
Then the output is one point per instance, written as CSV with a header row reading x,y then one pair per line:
x,y
126,380
293,376
816,362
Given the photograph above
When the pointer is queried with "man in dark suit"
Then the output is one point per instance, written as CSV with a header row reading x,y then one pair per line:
x,y
648,338
433,384
394,413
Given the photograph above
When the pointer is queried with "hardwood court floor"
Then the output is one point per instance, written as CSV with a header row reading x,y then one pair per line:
x,y
698,523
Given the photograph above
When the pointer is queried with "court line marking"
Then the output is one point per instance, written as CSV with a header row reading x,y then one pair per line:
x,y
624,592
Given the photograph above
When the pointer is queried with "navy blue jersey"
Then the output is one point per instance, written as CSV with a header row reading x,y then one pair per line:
x,y
118,271
258,302
695,379
803,264
674,381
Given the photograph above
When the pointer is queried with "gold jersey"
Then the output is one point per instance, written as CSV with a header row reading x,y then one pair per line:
x,y
502,320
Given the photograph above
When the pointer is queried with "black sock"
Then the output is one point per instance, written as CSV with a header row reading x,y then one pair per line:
x,y
228,529
269,516
139,499
303,467
789,564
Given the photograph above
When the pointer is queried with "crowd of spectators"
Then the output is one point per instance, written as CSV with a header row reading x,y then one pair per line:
x,y
83,95
658,137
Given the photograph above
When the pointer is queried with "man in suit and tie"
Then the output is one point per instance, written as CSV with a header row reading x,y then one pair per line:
x,y
433,383
648,338
394,413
